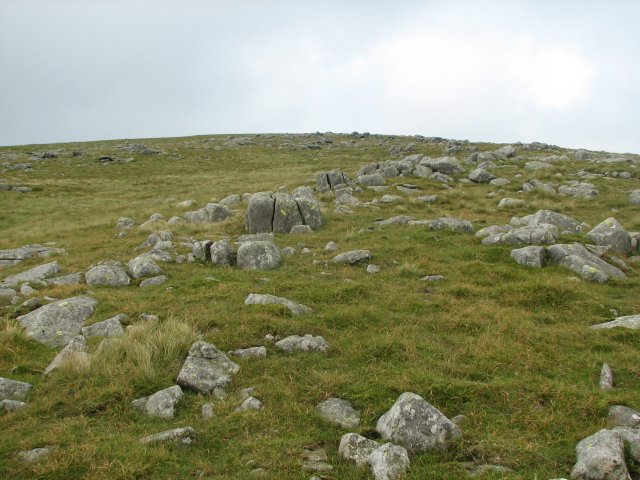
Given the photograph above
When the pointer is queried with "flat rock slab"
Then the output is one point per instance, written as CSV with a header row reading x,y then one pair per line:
x,y
589,266
352,257
207,369
111,327
307,343
251,352
29,456
296,309
629,321
182,436
57,323
340,412
13,389
34,274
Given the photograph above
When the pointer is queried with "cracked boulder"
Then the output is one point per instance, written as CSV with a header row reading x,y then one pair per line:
x,y
331,180
586,264
280,212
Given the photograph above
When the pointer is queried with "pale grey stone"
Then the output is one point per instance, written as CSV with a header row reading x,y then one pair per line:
x,y
208,411
340,412
352,257
76,350
622,416
57,323
125,223
634,197
307,343
537,185
396,220
537,165
7,293
371,268
374,179
296,309
251,403
11,405
230,200
260,211
164,402
544,234
143,266
530,256
154,281
70,279
250,352
428,198
186,204
331,247
287,251
508,151
389,462
629,321
112,327
606,377
611,234
356,449
258,256
417,425
29,456
182,436
561,221
600,457
207,369
26,290
577,258
453,224
480,175
110,274
500,182
446,165
390,198
310,211
286,213
13,389
300,230
579,190
510,202
32,275
211,213
432,278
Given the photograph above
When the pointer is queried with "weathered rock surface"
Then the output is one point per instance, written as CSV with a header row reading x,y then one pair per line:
x,y
250,352
340,412
446,165
623,416
356,449
628,321
544,234
279,212
182,436
112,327
296,309
258,256
163,403
251,403
57,323
211,213
563,222
13,389
307,343
453,224
352,257
389,462
611,234
601,457
589,266
110,274
417,425
606,378
33,455
33,274
154,281
207,369
11,405
480,175
76,350
530,256
16,255
143,266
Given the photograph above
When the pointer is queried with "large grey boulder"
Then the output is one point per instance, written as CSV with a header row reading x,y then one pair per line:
x,y
330,180
207,369
544,234
307,343
279,212
417,425
589,266
611,234
446,165
296,309
57,323
508,151
221,253
13,389
579,190
352,257
356,449
211,213
628,321
340,412
76,350
164,402
480,175
453,224
110,274
310,210
389,462
532,256
112,327
564,222
181,436
258,256
286,214
33,274
601,457
143,266
259,216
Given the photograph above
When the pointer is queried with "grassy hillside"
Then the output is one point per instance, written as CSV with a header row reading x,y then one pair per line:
x,y
507,346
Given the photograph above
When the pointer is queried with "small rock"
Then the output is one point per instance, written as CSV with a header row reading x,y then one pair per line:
x,y
11,405
182,436
531,256
76,350
371,268
622,416
356,449
208,411
251,352
153,281
111,327
251,403
296,309
29,456
352,257
307,343
606,377
389,462
340,412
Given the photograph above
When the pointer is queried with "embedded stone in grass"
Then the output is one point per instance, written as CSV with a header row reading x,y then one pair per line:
x,y
76,350
251,352
108,274
70,279
331,247
371,268
208,411
453,224
153,281
29,456
307,343
211,213
207,369
111,327
182,436
258,256
32,275
529,256
221,253
553,218
13,389
628,321
143,266
374,179
57,323
510,202
480,175
601,457
164,402
300,229
340,412
623,416
316,461
396,220
606,377
356,449
125,223
352,257
296,309
417,425
389,462
11,405
251,403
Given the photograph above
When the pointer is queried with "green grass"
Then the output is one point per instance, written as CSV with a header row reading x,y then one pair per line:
x,y
504,345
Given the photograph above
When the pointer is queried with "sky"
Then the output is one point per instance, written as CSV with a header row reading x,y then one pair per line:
x,y
562,72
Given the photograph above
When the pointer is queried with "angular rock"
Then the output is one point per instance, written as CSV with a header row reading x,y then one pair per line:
x,y
310,210
606,378
182,436
530,256
251,403
508,151
208,411
634,197
70,279
296,309
545,234
260,212
57,323
622,416
417,425
222,253
374,179
397,220
206,369
601,457
561,221
307,343
75,350
352,257
356,449
579,190
537,185
480,175
629,321
389,462
112,327
212,213
29,456
611,234
143,266
32,275
510,202
125,223
286,214
164,402
110,274
13,389
537,165
577,258
258,256
340,412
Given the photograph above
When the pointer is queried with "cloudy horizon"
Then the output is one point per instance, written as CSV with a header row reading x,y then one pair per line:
x,y
557,72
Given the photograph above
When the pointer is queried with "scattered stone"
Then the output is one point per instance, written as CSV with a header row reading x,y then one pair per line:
x,y
16,255
453,224
208,411
30,456
258,256
629,321
622,416
428,198
417,425
510,203
561,221
154,281
251,403
480,175
211,213
545,234
70,279
601,457
371,268
634,197
374,179
11,405
76,350
251,352
508,151
389,462
182,436
579,190
356,449
163,403
26,290
32,275
396,220
125,223
296,309
352,257
611,234
108,274
13,389
57,323
207,369
307,343
589,266
480,470
300,230
331,247
331,180
606,378
530,256
143,266
432,278
390,198
111,327
537,165
446,165
316,461
340,412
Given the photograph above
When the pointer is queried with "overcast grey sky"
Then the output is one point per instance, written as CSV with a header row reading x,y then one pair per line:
x,y
562,72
